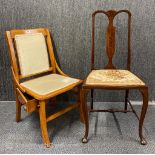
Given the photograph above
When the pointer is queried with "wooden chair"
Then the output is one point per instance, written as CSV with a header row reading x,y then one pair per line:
x,y
31,55
111,78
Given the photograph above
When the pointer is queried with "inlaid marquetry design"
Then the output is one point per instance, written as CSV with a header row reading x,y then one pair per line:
x,y
110,37
110,45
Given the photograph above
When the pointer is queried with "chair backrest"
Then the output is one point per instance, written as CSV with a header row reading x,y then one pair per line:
x,y
110,37
31,52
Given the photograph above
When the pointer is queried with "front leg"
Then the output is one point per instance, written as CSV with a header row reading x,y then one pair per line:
x,y
43,123
80,108
83,95
144,93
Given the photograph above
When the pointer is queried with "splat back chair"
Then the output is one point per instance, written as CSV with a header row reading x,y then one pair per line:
x,y
31,55
112,78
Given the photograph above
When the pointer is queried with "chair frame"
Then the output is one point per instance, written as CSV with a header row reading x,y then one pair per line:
x,y
39,102
110,49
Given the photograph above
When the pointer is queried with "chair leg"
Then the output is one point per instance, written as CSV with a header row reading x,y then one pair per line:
x,y
18,110
43,123
79,100
85,112
144,93
126,99
92,98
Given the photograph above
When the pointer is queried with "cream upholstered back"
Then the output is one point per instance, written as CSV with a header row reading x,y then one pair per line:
x,y
32,53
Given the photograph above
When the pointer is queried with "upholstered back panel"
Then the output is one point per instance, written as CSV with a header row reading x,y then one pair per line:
x,y
32,53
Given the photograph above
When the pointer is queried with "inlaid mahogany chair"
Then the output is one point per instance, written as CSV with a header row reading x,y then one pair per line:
x,y
112,78
31,55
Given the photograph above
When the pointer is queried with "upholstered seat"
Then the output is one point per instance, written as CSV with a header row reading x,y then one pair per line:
x,y
113,77
48,84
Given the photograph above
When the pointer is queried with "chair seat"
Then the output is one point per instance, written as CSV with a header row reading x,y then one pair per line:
x,y
113,78
48,84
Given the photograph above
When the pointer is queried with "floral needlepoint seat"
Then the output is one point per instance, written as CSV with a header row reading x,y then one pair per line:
x,y
113,77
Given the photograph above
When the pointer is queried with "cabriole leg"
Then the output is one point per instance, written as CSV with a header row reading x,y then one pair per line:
x,y
144,93
85,112
80,105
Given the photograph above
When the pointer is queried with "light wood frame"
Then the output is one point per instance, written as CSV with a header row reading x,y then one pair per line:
x,y
110,49
31,100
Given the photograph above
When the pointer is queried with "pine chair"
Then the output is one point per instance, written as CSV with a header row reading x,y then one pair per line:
x,y
111,78
37,76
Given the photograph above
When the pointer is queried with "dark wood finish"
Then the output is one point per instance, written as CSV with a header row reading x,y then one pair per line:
x,y
144,93
110,37
28,98
110,49
126,99
83,94
92,98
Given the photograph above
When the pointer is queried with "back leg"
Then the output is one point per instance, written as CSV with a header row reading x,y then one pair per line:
x,y
92,98
18,109
126,99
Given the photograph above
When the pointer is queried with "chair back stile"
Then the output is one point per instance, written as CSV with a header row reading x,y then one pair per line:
x,y
43,36
110,38
13,60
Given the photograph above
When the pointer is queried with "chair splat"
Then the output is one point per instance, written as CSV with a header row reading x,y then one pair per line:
x,y
110,37
110,44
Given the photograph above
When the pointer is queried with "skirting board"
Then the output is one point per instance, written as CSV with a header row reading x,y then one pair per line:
x,y
133,102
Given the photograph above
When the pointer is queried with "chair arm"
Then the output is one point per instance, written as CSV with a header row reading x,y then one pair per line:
x,y
60,71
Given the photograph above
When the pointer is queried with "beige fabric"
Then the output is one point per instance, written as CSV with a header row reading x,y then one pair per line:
x,y
48,84
113,78
32,53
